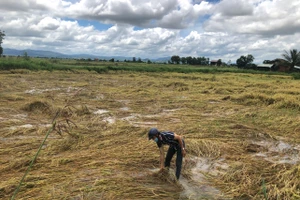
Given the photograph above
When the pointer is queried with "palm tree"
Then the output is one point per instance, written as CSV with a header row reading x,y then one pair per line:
x,y
292,57
2,34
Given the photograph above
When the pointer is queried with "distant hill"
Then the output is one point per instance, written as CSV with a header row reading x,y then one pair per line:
x,y
33,53
52,54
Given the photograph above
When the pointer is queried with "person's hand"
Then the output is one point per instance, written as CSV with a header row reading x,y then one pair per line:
x,y
183,152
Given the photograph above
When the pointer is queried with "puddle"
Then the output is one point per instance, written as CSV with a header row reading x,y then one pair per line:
x,y
29,126
133,120
124,101
70,88
213,102
210,166
20,116
46,125
22,126
100,112
170,110
277,152
110,120
137,120
151,116
198,186
281,147
195,192
130,117
39,91
124,109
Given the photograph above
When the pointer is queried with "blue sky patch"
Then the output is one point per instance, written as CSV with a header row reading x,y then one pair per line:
x,y
99,26
136,28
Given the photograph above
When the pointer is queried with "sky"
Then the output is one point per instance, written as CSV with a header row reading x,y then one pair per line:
x,y
217,29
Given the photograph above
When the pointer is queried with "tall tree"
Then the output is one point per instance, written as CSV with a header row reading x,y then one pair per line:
x,y
175,59
1,39
194,61
244,60
183,60
292,57
189,60
202,61
219,62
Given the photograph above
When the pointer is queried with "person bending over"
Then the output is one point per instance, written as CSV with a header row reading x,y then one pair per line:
x,y
176,144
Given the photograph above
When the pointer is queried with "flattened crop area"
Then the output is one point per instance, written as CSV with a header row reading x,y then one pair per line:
x,y
241,132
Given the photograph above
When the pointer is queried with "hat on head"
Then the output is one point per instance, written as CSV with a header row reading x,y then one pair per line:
x,y
153,132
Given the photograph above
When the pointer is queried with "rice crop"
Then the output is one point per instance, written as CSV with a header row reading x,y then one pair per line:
x,y
241,132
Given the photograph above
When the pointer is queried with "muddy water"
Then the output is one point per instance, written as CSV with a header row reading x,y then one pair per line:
x,y
101,111
28,126
201,191
110,120
39,91
278,152
198,187
137,120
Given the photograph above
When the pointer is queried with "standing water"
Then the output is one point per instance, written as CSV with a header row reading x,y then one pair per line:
x,y
198,186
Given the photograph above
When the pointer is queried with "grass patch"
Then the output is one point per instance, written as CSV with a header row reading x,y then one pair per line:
x,y
36,64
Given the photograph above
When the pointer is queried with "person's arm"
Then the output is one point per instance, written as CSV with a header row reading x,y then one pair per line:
x,y
162,156
179,139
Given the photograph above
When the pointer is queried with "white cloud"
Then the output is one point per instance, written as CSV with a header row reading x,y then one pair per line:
x,y
233,8
47,23
268,18
133,12
186,15
175,14
22,5
226,29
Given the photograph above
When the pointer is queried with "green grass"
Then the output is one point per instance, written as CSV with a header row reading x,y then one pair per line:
x,y
35,64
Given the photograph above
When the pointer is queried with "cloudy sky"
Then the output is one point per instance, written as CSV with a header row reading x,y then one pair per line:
x,y
218,29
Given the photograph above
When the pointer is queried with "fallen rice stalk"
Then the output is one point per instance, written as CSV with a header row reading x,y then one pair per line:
x,y
36,155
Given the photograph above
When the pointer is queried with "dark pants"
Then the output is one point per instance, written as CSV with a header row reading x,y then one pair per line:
x,y
171,151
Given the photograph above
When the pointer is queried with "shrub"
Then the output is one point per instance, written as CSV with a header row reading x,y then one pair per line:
x,y
296,76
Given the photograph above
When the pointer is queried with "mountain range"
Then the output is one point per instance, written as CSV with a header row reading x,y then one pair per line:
x,y
53,54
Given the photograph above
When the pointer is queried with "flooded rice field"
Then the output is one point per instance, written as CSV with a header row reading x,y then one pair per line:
x,y
238,146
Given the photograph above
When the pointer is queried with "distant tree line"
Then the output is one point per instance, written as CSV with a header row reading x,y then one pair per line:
x,y
290,59
139,60
175,59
